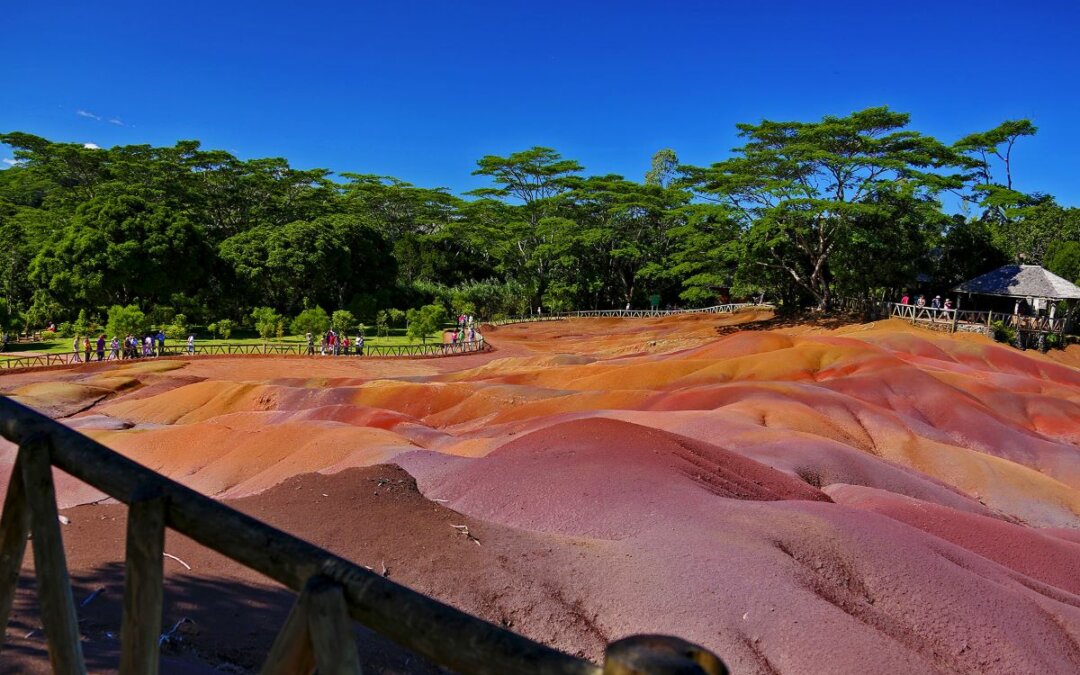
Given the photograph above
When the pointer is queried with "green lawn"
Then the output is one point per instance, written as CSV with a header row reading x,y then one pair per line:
x,y
58,345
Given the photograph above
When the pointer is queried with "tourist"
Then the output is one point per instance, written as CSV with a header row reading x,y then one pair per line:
x,y
87,348
101,347
360,344
345,344
148,346
921,302
906,300
191,344
936,302
114,348
948,304
453,336
75,349
160,342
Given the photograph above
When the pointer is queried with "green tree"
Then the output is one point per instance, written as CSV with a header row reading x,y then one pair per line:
x,y
266,321
664,169
82,325
425,321
178,328
1063,259
966,251
313,320
118,249
343,320
125,320
991,151
9,318
223,327
803,188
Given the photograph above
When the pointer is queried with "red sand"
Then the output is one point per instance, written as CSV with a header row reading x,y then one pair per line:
x,y
650,475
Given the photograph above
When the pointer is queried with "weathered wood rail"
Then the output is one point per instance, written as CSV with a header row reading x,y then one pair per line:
x,y
434,349
332,590
956,316
628,313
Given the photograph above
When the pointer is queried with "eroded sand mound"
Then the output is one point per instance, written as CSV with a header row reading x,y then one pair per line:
x,y
869,498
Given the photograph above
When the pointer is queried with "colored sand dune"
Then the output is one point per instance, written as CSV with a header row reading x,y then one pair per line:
x,y
865,499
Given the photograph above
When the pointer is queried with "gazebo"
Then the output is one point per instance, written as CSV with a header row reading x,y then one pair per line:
x,y
1036,292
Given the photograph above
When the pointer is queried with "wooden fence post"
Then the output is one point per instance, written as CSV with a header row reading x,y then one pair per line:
x,y
14,528
955,314
331,629
143,583
53,585
660,655
292,651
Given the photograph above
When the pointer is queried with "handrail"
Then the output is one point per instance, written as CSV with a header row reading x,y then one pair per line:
x,y
627,313
331,584
435,349
927,314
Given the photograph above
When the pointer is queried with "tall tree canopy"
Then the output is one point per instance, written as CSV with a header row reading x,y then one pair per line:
x,y
808,190
802,211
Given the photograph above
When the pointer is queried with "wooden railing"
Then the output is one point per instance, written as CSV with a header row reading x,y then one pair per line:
x,y
952,317
627,313
434,349
317,631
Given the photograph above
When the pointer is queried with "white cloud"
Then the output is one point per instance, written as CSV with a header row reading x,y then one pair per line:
x,y
90,115
91,146
9,161
116,121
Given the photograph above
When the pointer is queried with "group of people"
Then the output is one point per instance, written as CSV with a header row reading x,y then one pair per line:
x,y
84,348
935,303
336,345
465,330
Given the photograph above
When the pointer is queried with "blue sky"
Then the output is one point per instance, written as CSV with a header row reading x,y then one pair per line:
x,y
420,90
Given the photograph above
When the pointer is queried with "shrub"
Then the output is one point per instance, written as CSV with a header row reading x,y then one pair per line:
x,y
314,320
82,325
223,327
125,320
178,329
266,321
1003,333
425,321
343,320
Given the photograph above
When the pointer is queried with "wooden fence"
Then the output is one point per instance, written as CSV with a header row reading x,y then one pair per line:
x,y
627,313
270,349
317,632
954,317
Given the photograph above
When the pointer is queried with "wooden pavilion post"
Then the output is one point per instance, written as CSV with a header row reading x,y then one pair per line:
x,y
955,315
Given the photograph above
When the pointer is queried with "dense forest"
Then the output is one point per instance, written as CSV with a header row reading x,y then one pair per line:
x,y
801,212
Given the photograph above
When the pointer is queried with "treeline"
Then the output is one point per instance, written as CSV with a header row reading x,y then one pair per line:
x,y
801,212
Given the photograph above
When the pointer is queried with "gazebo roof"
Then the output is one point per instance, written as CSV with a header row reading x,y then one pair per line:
x,y
1022,281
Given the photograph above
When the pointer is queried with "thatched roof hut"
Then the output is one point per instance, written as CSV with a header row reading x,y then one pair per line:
x,y
1021,281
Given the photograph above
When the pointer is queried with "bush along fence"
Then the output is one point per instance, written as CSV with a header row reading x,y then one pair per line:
x,y
332,591
628,313
432,350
